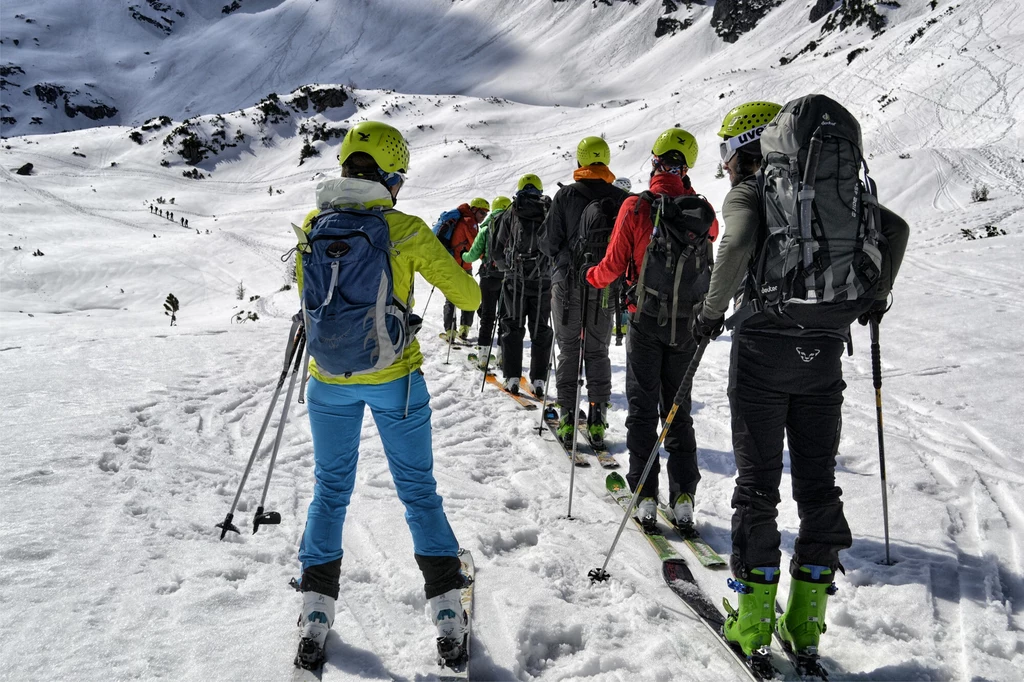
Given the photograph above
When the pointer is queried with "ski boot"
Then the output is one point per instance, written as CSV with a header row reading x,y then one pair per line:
x,y
566,426
512,385
316,619
447,615
596,425
647,514
538,388
464,332
803,622
682,512
448,335
749,628
483,360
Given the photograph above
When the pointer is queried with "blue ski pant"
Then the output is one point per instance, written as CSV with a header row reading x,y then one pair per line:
x,y
336,420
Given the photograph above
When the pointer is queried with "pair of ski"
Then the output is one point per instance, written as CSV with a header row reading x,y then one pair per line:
x,y
449,670
604,457
457,342
680,580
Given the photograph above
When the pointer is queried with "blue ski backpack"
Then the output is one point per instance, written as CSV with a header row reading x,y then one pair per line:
x,y
444,228
354,323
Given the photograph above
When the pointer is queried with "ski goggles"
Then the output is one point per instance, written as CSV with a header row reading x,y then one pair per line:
x,y
671,164
729,147
391,179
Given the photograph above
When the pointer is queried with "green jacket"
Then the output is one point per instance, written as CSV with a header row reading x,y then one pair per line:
x,y
415,249
479,248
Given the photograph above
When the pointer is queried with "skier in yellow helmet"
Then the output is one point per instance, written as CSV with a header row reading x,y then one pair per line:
x,y
782,382
526,292
374,159
576,234
658,347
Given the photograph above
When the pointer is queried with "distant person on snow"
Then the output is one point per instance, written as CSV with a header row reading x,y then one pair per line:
x,y
659,347
490,278
785,376
374,158
526,292
457,229
576,233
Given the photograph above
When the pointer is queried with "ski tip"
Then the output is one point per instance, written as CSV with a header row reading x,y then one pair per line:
x,y
614,481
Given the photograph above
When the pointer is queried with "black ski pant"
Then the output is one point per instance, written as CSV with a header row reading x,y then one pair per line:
x,y
521,302
566,313
490,293
465,316
654,371
792,387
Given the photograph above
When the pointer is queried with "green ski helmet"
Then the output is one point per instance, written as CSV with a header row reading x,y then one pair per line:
x,y
530,180
382,142
747,117
593,150
500,203
677,140
480,202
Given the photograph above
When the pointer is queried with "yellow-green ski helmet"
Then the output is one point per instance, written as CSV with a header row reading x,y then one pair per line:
x,y
530,180
382,142
677,140
480,202
747,117
593,150
500,203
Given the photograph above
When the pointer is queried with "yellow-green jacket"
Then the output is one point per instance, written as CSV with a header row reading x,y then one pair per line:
x,y
415,249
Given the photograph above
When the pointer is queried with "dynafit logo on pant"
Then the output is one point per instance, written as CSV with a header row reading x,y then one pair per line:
x,y
808,355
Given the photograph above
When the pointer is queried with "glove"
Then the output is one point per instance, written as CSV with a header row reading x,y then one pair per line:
x,y
702,328
874,313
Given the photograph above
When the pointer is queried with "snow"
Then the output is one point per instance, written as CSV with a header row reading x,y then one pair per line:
x,y
124,439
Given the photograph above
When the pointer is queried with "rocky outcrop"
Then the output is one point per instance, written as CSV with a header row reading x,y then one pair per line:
x,y
733,18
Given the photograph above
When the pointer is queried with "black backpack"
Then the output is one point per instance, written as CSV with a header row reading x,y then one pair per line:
x,y
595,230
676,270
523,256
820,250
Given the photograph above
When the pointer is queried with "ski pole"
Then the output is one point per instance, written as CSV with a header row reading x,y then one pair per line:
x,y
497,322
451,336
544,400
273,517
584,296
601,574
876,375
293,340
427,305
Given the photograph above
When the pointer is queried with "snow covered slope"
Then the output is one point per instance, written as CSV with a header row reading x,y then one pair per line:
x,y
123,439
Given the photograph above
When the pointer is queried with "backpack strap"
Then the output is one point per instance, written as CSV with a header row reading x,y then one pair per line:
x,y
641,290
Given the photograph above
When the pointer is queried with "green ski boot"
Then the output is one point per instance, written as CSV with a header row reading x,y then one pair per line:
x,y
750,626
566,427
803,623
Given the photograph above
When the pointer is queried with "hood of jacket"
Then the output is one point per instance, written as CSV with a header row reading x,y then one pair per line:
x,y
352,192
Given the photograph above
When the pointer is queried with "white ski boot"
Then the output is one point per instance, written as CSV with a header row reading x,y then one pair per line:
x,y
447,615
316,620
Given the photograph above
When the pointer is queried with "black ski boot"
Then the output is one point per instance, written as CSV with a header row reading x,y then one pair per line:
x,y
596,425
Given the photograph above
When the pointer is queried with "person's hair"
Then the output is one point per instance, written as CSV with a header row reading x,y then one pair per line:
x,y
360,165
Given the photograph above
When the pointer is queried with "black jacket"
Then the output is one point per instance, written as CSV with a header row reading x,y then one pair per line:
x,y
562,224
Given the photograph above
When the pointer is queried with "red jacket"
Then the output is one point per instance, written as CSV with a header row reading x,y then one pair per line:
x,y
632,234
463,235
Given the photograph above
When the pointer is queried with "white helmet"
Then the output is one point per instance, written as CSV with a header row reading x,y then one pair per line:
x,y
623,184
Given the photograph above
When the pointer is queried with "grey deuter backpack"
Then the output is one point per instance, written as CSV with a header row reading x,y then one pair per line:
x,y
819,259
